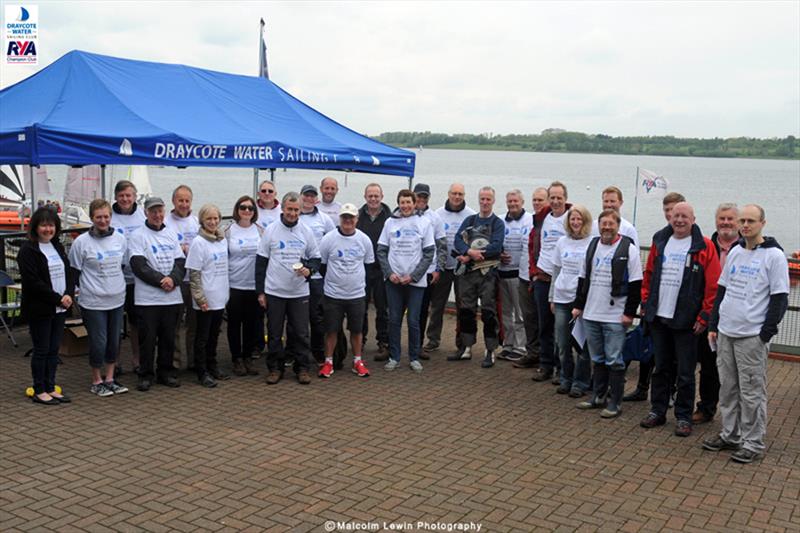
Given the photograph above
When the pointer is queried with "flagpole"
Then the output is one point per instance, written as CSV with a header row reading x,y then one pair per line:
x,y
636,195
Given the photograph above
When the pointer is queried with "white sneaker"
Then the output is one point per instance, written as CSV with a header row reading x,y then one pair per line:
x,y
463,355
416,366
391,364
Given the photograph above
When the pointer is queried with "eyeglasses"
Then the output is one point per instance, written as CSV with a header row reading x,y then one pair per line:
x,y
268,191
247,208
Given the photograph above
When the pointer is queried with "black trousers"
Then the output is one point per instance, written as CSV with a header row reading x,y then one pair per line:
x,y
46,335
376,291
205,340
670,346
243,315
316,316
709,377
157,324
292,313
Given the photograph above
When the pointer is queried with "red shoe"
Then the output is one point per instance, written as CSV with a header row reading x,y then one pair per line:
x,y
326,370
361,369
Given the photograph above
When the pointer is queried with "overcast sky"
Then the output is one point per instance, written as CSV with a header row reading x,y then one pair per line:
x,y
663,68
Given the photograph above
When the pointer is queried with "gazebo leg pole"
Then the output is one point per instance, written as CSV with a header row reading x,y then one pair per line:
x,y
272,175
103,182
255,183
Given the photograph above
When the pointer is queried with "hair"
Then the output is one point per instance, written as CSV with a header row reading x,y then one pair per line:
x,y
537,189
406,193
672,198
290,196
266,181
586,227
761,212
98,203
239,202
182,187
726,206
124,184
321,183
517,193
609,213
557,184
486,189
207,210
43,215
612,189
373,184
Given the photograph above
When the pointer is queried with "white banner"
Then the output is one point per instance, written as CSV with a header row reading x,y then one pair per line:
x,y
651,185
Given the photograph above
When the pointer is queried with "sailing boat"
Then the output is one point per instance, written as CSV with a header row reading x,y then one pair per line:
x,y
15,180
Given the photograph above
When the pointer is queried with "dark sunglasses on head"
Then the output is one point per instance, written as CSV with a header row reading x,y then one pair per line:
x,y
267,191
247,208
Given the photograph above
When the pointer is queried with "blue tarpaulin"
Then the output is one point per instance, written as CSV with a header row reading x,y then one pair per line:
x,y
92,109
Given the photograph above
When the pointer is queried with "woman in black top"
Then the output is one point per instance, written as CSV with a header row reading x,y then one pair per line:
x,y
47,290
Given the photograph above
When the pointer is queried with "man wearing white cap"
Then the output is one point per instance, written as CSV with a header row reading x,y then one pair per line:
x,y
344,253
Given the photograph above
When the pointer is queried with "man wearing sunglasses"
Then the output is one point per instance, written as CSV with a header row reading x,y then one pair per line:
x,y
269,209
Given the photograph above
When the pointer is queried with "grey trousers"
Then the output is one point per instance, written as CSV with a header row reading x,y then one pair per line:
x,y
514,339
742,365
530,318
440,293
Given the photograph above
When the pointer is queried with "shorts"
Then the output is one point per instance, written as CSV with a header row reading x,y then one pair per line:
x,y
336,309
130,306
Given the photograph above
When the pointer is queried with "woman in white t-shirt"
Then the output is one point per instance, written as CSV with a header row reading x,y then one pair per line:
x,y
97,257
207,264
243,237
567,257
47,290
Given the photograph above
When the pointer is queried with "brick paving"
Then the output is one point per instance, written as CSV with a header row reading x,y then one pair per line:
x,y
455,444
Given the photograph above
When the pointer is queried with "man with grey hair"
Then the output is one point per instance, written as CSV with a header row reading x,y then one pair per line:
x,y
518,225
477,247
752,297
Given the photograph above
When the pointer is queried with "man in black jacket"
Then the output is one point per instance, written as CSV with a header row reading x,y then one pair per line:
x,y
371,218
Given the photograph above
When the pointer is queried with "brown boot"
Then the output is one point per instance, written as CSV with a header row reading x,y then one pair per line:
x,y
238,368
303,378
248,367
273,377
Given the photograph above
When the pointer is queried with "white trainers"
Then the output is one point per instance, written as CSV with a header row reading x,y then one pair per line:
x,y
416,366
391,364
462,355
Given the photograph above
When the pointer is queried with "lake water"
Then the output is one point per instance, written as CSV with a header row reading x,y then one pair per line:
x,y
706,182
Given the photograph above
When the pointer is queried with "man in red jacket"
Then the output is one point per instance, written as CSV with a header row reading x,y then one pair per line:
x,y
680,283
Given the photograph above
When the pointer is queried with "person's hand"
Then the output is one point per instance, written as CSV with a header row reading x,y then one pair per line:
x,y
435,277
475,255
167,284
204,307
305,272
712,337
262,300
552,307
576,313
505,258
394,278
405,280
185,249
66,301
463,259
698,328
626,320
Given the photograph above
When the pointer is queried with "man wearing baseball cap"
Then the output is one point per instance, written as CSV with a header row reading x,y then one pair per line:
x,y
345,252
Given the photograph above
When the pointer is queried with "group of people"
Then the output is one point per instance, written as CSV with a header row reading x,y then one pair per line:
x,y
555,290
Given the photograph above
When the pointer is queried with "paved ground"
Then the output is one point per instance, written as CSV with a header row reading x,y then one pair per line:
x,y
456,444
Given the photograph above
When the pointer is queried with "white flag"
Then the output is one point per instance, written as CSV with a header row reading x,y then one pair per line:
x,y
651,185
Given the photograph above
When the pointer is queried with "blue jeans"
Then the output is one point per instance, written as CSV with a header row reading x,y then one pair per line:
x,y
401,298
104,329
46,335
575,372
606,340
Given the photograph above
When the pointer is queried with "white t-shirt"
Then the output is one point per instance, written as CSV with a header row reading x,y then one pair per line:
x,y
58,274
600,305
185,228
160,249
127,225
100,261
673,261
552,230
268,216
211,260
332,210
346,256
242,249
516,233
451,221
285,247
406,237
569,255
625,228
750,277
320,225
438,233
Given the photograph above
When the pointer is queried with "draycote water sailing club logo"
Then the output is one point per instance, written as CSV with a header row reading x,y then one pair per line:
x,y
21,24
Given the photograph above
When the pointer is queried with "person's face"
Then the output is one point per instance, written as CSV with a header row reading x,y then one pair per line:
x,y
46,231
182,200
291,211
422,201
406,205
513,204
211,222
328,188
612,201
347,223
557,199
609,228
101,218
575,221
727,224
668,211
155,216
456,195
486,202
681,220
373,196
267,192
539,200
309,201
126,198
246,210
750,223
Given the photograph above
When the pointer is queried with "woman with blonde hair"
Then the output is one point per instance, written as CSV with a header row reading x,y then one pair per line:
x,y
570,253
207,263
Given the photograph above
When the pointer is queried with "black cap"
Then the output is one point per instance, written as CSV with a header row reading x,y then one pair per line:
x,y
422,188
309,189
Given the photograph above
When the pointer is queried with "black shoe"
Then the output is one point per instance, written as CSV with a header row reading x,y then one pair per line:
x,y
383,352
424,356
563,389
51,401
525,362
652,420
542,375
144,385
464,354
219,376
488,359
638,395
169,381
717,444
207,381
63,398
745,456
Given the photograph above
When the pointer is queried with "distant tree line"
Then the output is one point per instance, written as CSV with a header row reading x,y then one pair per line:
x,y
554,140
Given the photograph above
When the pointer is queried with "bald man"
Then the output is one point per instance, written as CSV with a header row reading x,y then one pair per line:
x,y
678,290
